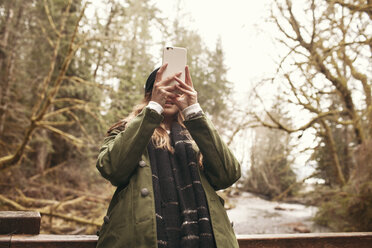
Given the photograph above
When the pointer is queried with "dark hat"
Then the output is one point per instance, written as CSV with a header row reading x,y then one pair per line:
x,y
150,81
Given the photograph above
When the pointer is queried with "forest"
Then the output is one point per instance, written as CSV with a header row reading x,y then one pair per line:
x,y
69,71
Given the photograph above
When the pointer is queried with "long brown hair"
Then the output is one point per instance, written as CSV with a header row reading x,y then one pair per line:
x,y
160,137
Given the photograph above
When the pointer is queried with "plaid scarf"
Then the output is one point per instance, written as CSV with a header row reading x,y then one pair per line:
x,y
182,216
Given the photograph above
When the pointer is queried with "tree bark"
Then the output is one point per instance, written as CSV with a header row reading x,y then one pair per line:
x,y
42,152
331,144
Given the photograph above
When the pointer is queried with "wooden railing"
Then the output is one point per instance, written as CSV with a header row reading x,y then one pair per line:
x,y
21,229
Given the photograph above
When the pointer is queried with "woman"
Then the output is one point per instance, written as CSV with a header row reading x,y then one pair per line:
x,y
165,194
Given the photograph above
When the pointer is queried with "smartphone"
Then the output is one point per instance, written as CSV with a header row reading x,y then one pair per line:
x,y
176,57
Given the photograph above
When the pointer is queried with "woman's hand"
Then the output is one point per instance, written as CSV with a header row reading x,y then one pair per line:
x,y
161,90
189,95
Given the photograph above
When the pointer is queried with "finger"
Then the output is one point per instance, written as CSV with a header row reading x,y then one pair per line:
x,y
188,77
159,74
169,79
188,92
169,88
183,84
166,81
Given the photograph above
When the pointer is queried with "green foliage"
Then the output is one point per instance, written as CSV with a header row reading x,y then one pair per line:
x,y
348,211
350,208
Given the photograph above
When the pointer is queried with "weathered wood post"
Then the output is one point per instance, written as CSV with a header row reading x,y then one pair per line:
x,y
19,222
21,229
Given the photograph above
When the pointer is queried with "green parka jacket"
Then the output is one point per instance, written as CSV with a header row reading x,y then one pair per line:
x,y
124,161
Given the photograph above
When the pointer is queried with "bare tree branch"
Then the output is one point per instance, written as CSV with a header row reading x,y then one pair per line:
x,y
366,8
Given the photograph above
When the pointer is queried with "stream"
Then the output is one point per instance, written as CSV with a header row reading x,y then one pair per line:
x,y
254,215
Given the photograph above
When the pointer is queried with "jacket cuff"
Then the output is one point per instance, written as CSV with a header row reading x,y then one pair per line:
x,y
155,106
192,111
153,115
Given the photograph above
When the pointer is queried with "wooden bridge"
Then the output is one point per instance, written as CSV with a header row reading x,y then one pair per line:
x,y
21,229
